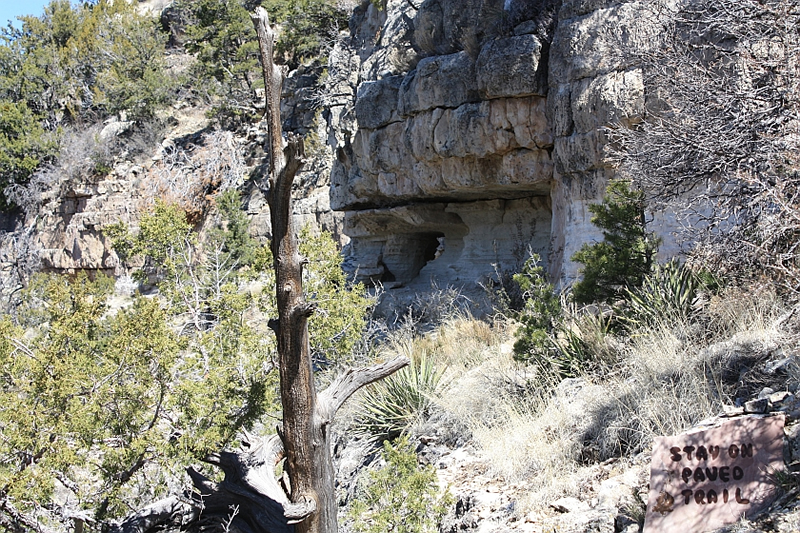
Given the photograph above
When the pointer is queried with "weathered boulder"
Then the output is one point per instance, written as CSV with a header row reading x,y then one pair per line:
x,y
446,26
440,81
510,68
613,98
601,41
376,102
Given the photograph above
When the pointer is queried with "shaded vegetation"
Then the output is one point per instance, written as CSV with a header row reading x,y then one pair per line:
x,y
72,65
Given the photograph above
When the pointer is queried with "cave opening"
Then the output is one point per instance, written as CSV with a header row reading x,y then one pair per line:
x,y
405,255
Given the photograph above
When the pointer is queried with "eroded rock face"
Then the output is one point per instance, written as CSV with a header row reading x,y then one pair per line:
x,y
500,119
465,133
414,245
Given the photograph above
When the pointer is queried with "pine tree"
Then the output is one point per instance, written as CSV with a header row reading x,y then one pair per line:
x,y
626,254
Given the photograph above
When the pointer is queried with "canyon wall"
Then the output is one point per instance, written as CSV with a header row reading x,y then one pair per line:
x,y
461,136
476,133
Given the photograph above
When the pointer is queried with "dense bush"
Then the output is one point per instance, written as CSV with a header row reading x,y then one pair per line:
x,y
85,60
71,65
541,314
402,496
221,36
110,403
24,145
93,399
625,256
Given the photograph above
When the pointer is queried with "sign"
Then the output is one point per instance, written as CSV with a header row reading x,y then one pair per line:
x,y
708,478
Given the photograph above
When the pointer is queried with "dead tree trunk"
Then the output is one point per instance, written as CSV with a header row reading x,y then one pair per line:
x,y
306,415
250,499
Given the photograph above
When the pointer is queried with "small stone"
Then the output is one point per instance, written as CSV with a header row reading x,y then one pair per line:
x,y
765,393
756,406
569,505
780,364
782,399
730,410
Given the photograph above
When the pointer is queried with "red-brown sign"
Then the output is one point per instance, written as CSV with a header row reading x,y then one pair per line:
x,y
708,478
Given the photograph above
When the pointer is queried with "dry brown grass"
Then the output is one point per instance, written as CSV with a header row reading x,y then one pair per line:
x,y
547,434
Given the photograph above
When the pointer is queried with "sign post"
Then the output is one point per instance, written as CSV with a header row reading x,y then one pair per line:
x,y
708,478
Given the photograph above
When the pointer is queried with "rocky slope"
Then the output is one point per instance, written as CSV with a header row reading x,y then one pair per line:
x,y
462,135
516,465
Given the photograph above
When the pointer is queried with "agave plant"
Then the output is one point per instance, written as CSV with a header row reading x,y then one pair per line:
x,y
391,406
671,290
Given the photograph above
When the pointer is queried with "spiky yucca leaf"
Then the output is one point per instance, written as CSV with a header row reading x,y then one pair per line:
x,y
671,291
393,405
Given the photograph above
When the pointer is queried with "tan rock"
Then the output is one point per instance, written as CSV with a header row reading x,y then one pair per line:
x,y
705,479
613,98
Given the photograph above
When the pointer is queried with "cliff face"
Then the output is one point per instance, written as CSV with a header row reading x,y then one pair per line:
x,y
476,133
465,134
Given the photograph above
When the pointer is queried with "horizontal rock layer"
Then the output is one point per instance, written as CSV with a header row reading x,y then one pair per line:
x,y
495,109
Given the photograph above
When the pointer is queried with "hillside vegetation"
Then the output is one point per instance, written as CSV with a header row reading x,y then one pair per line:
x,y
107,398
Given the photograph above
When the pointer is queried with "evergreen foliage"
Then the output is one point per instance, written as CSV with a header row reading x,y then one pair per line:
x,y
110,403
85,60
24,145
402,496
82,393
556,341
625,256
221,36
307,27
74,64
234,229
342,307
541,314
93,400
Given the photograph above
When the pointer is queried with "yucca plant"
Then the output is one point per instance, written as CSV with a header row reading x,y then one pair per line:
x,y
391,406
670,290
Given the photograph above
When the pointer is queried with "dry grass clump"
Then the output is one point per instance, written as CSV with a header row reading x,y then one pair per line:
x,y
669,375
404,402
548,434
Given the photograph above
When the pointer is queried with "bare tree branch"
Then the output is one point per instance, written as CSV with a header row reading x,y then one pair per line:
x,y
348,383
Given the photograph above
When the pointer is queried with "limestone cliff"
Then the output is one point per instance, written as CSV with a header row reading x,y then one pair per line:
x,y
462,135
476,132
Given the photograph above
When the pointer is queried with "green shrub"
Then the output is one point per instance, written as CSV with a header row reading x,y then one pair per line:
x,y
233,233
560,342
162,234
307,26
85,60
104,400
342,307
221,36
669,292
75,65
625,256
402,497
391,406
542,312
24,145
